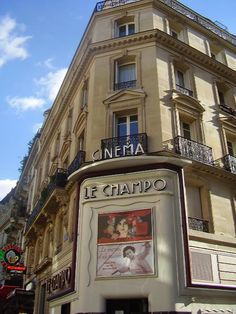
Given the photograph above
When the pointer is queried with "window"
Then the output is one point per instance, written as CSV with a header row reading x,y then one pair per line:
x,y
65,308
84,95
229,143
174,34
127,125
126,29
125,26
177,30
230,148
198,207
216,52
225,98
183,82
180,78
81,141
186,132
125,74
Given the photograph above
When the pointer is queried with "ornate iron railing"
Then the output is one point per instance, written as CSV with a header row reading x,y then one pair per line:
x,y
193,150
77,162
184,90
124,85
198,224
180,8
59,179
228,109
124,146
230,163
206,23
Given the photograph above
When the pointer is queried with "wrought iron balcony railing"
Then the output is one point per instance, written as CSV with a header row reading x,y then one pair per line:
x,y
230,163
77,162
228,109
124,85
124,146
59,179
198,224
184,90
193,150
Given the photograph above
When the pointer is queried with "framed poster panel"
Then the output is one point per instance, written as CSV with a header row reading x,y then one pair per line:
x,y
125,244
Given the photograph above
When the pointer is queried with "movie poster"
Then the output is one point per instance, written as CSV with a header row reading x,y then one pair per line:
x,y
125,244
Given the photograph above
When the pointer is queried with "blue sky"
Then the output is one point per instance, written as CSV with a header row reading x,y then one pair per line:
x,y
37,42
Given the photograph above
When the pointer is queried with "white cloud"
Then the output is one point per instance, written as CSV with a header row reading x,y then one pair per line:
x,y
50,84
6,186
12,46
26,103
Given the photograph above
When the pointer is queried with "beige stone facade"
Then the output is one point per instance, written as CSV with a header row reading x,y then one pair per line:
x,y
143,129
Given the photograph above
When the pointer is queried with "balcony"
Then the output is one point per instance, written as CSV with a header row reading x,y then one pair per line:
x,y
77,162
130,145
184,90
193,150
198,224
228,109
58,180
125,85
230,163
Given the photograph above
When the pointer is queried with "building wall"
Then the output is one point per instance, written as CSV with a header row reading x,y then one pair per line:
x,y
167,47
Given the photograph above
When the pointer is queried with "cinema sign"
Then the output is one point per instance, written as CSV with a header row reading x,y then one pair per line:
x,y
124,146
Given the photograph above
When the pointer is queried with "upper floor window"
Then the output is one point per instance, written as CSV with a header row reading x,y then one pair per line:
x,y
216,52
225,98
186,130
177,30
126,125
126,29
125,26
125,73
183,83
198,206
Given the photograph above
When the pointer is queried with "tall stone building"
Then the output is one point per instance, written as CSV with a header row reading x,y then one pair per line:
x,y
131,183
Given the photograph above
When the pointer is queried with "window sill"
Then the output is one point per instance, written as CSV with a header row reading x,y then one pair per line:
x,y
212,238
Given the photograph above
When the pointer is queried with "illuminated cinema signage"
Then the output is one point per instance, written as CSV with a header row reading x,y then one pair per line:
x,y
118,151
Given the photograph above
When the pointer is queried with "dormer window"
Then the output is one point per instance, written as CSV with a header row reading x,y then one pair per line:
x,y
126,29
125,26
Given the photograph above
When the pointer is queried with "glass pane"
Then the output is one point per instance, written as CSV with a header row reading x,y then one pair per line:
x,y
131,29
126,73
133,124
230,148
186,130
180,78
121,126
122,30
